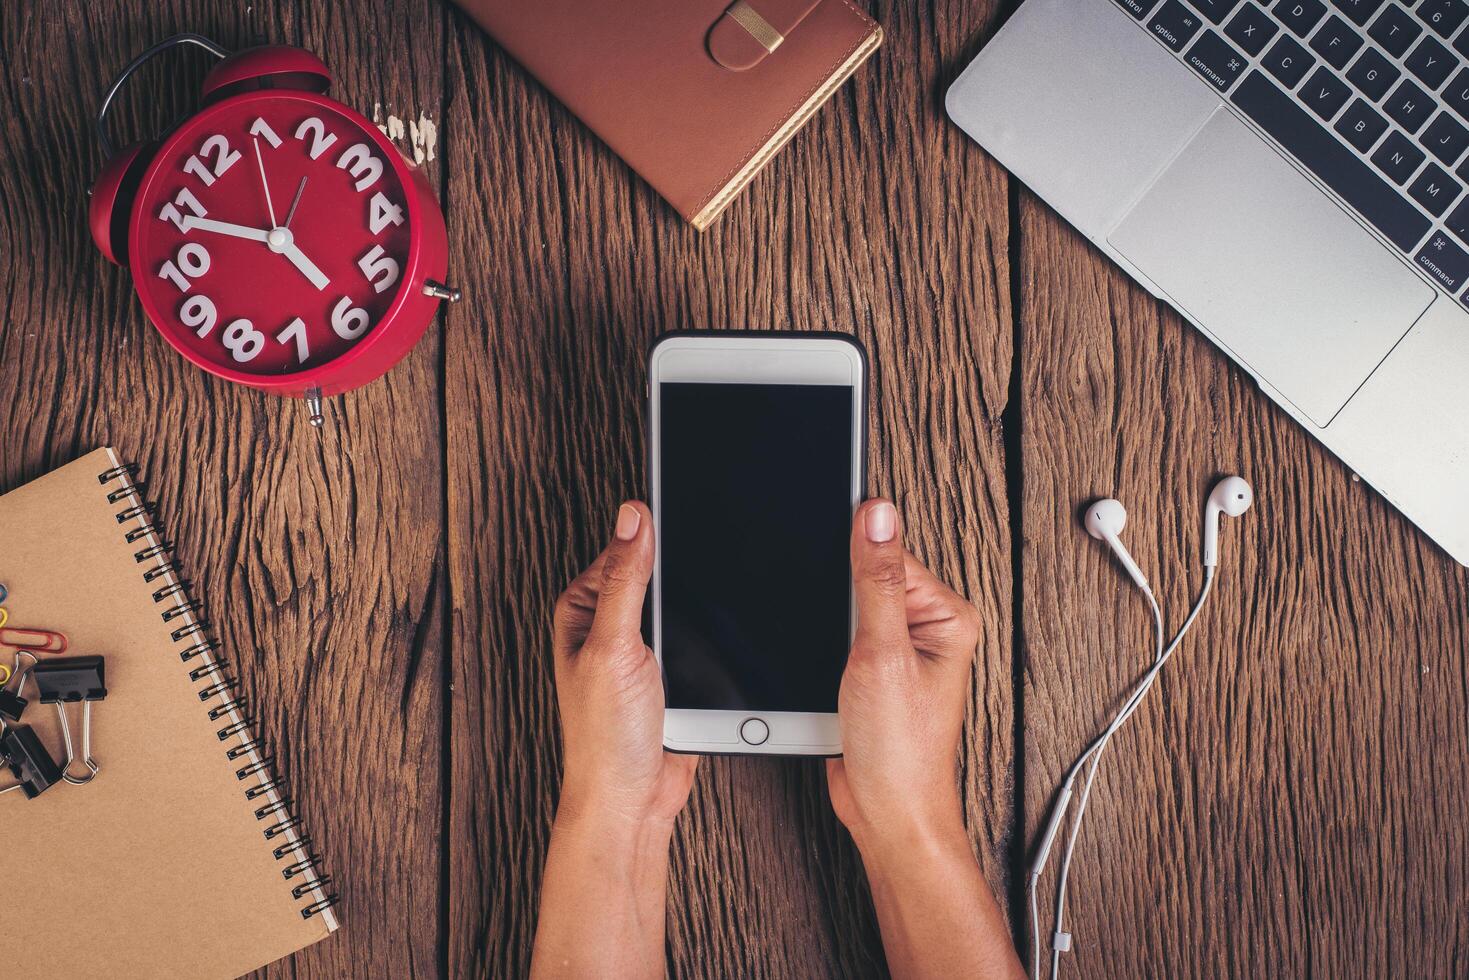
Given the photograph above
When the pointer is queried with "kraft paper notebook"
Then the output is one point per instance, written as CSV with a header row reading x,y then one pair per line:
x,y
696,95
181,858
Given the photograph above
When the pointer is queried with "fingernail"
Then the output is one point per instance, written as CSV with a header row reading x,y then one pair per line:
x,y
628,520
882,523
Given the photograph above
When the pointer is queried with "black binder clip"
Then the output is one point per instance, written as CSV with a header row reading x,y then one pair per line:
x,y
67,680
12,703
29,761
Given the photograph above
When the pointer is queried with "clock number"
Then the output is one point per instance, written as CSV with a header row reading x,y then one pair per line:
x,y
242,340
296,330
382,212
171,212
321,140
374,264
365,168
191,263
349,322
199,312
262,128
224,158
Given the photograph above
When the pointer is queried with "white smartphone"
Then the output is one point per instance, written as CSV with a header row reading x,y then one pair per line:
x,y
757,459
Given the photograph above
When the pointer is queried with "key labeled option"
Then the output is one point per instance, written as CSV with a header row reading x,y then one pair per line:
x,y
1175,24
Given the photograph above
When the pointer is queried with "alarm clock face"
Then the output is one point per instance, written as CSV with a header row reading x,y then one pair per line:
x,y
272,234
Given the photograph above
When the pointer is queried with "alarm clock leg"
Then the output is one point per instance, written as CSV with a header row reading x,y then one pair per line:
x,y
313,405
440,291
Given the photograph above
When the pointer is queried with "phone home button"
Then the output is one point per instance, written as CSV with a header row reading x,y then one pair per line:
x,y
754,731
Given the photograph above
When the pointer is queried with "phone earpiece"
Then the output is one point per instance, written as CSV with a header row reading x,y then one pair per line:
x,y
1104,521
1232,495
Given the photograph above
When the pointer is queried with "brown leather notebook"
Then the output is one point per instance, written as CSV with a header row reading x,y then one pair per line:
x,y
181,858
696,95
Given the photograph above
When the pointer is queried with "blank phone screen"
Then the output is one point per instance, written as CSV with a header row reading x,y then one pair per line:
x,y
756,499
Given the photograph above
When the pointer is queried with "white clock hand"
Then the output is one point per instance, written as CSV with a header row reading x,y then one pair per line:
x,y
264,184
225,228
298,258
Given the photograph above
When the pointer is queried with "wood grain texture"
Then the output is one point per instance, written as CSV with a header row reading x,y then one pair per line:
x,y
317,556
572,266
1287,804
1284,806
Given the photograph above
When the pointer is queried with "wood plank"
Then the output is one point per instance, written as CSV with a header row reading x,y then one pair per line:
x,y
1282,806
317,556
573,266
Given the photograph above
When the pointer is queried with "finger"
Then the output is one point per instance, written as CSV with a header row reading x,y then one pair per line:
x,y
878,577
627,565
940,621
574,610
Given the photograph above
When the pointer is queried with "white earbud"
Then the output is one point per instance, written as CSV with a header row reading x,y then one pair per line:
x,y
1231,495
1105,520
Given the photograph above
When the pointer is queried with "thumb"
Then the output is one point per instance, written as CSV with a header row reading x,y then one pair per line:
x,y
627,565
878,577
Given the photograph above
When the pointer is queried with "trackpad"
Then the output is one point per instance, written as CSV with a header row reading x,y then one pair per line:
x,y
1269,266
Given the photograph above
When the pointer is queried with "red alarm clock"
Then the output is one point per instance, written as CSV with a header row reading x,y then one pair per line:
x,y
276,237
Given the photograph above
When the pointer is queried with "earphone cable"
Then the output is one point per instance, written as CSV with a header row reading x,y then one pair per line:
x,y
1059,940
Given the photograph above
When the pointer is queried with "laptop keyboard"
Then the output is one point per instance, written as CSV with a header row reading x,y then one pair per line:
x,y
1371,96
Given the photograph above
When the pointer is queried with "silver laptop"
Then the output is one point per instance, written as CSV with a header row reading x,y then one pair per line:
x,y
1291,177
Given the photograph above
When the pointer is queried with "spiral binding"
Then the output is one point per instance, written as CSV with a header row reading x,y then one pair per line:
x,y
192,634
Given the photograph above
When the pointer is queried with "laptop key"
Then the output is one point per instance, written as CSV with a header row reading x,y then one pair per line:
x,y
1431,62
1373,74
1336,42
1213,58
1409,106
1300,15
1288,61
1456,96
1458,221
1215,10
1325,94
1251,29
1360,125
1398,157
1324,155
1138,8
1443,16
1445,261
1434,189
1395,30
1175,25
1445,138
1358,11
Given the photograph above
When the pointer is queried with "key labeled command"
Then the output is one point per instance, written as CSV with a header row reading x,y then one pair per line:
x,y
1216,61
1445,261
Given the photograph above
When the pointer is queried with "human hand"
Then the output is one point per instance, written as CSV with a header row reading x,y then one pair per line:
x,y
605,885
610,690
902,696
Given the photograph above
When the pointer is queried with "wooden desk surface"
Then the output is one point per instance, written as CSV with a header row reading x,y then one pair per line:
x,y
1291,802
